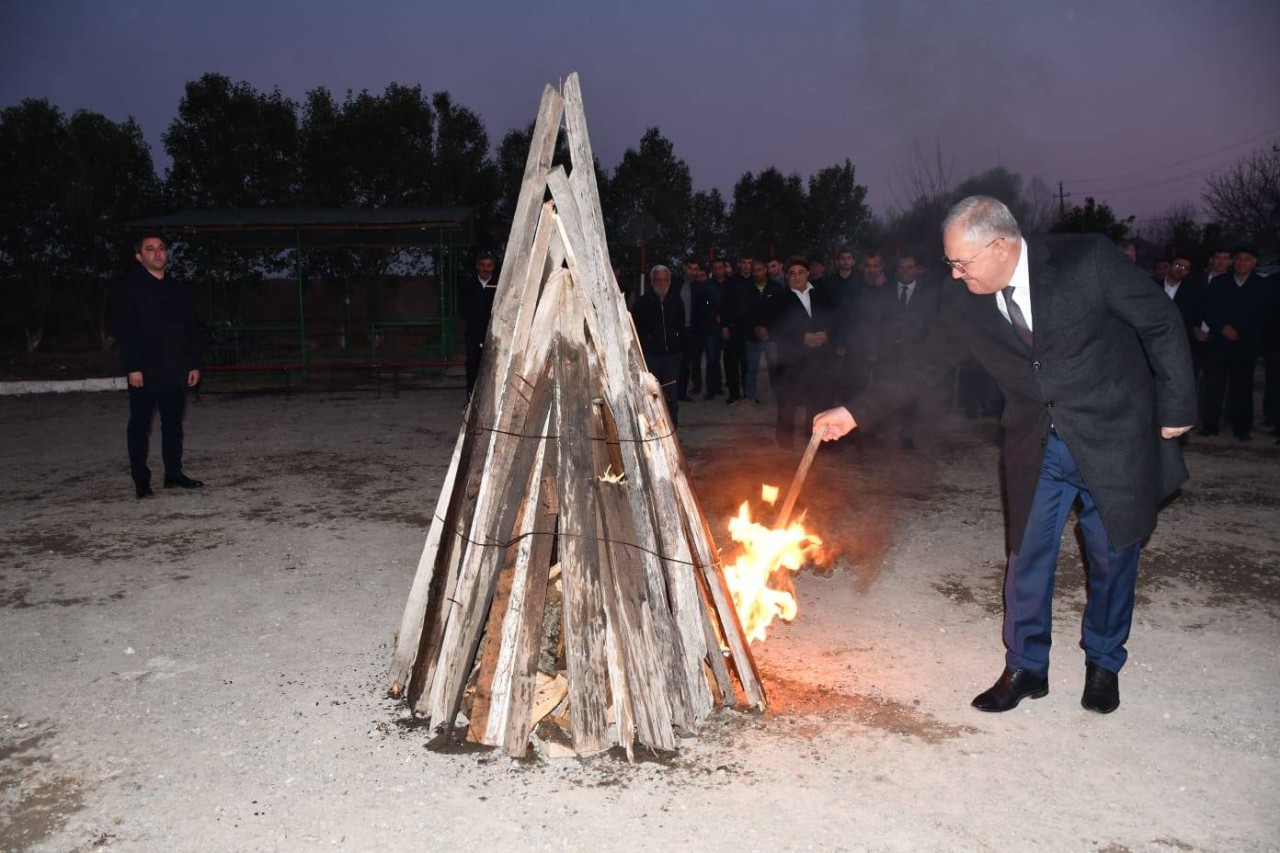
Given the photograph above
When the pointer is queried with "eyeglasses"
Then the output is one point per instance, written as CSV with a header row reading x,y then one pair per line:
x,y
960,265
1180,267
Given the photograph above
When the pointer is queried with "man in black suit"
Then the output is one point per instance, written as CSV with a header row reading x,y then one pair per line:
x,y
475,304
658,315
904,323
1096,374
803,329
1187,293
1236,309
700,312
759,300
155,327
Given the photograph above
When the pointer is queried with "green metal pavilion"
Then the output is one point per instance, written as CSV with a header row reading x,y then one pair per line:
x,y
444,231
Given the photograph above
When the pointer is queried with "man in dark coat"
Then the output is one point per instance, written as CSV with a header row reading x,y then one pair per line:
x,y
658,315
803,330
1236,309
1188,294
155,329
475,304
759,301
904,321
701,316
732,327
1096,374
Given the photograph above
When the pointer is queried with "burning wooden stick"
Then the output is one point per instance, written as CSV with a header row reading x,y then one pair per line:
x,y
806,462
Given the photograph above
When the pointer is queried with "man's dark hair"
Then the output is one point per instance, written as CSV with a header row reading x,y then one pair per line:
x,y
142,236
693,261
486,256
1247,248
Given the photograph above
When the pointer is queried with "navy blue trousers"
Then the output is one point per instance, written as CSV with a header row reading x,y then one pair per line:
x,y
1028,584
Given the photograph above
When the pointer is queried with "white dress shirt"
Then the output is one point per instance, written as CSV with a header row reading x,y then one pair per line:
x,y
1021,284
803,296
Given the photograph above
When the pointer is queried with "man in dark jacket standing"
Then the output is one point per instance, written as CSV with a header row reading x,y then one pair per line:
x,y
1235,310
759,301
155,326
803,328
659,318
904,321
475,304
1096,374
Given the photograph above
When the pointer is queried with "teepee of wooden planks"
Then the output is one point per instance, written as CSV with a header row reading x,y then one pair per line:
x,y
567,480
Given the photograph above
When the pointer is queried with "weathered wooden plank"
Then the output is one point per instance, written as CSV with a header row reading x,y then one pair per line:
x,y
620,368
481,697
708,559
630,609
415,609
509,630
478,447
521,266
525,646
584,606
689,603
490,529
493,682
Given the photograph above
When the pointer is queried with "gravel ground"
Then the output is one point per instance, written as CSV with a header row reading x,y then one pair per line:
x,y
205,671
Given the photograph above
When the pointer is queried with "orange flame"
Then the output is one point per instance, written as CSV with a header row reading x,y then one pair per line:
x,y
760,579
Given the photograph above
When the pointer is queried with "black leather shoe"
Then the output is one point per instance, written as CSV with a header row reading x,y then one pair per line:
x,y
1013,686
182,481
1101,689
143,490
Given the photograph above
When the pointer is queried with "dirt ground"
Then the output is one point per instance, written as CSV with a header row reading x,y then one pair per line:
x,y
205,670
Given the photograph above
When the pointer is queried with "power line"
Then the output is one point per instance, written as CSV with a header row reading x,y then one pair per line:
x,y
1177,163
1162,182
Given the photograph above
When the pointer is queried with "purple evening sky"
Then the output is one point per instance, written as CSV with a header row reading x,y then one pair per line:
x,y
1133,101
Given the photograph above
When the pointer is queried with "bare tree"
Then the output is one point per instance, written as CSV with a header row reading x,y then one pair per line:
x,y
1176,229
1038,209
922,178
1245,197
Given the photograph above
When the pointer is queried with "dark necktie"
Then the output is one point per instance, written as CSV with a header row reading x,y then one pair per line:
x,y
902,294
1016,318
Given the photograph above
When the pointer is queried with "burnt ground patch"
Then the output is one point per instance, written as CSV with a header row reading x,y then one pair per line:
x,y
85,543
983,587
36,798
791,700
1226,577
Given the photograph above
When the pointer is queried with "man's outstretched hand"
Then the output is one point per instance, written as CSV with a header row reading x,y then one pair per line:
x,y
835,423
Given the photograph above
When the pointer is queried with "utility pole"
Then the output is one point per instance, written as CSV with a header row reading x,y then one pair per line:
x,y
1062,201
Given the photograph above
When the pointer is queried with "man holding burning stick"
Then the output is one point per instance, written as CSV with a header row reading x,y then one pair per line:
x,y
1096,373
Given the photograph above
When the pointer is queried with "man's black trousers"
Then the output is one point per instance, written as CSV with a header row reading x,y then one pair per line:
x,y
143,403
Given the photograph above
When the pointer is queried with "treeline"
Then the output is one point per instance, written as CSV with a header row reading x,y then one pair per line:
x,y
72,181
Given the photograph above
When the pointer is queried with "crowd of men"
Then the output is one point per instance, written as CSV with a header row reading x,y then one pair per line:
x,y
823,334
818,334
1232,320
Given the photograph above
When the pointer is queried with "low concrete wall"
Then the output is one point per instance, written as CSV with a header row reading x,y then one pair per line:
x,y
61,386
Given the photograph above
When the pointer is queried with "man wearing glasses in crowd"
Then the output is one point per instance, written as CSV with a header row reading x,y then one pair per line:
x,y
1096,374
